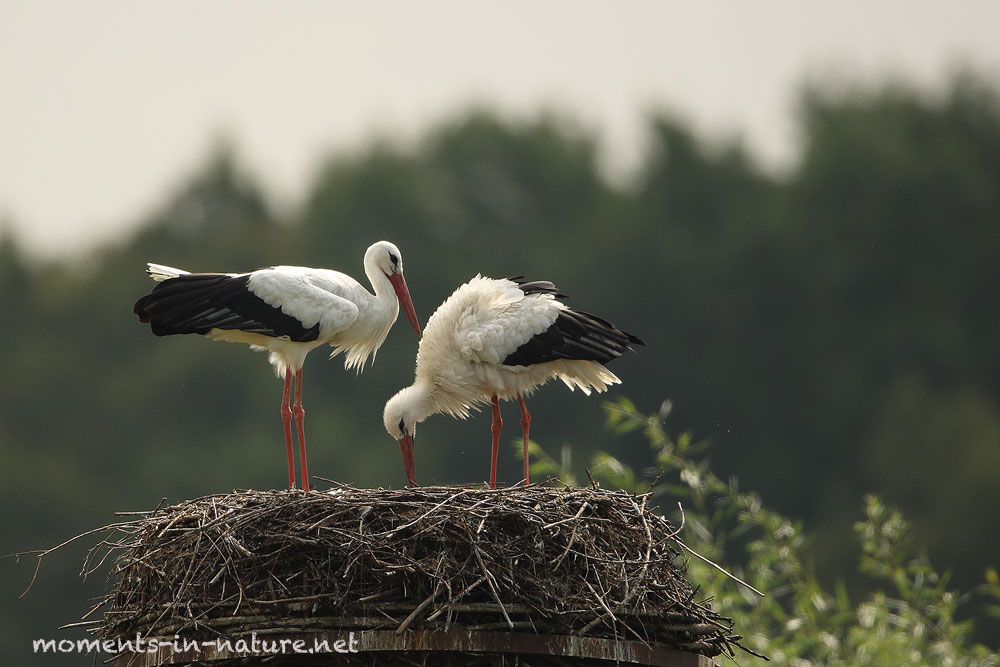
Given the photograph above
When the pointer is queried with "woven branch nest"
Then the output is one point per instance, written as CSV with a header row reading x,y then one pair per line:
x,y
536,559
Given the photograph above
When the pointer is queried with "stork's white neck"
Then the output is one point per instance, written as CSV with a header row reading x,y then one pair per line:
x,y
379,281
416,401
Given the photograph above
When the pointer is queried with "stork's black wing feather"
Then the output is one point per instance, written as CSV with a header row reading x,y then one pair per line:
x,y
199,302
574,335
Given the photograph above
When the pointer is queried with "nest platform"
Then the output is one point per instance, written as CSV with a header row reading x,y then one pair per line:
x,y
530,575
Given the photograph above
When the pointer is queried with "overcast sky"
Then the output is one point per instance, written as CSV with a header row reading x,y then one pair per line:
x,y
104,105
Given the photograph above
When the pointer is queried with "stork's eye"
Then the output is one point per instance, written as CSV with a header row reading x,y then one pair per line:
x,y
402,427
394,259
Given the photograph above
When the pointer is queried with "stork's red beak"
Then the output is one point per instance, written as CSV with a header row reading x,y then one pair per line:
x,y
403,294
406,448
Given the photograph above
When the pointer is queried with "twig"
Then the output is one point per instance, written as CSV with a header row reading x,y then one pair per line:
x,y
572,536
416,612
719,568
490,582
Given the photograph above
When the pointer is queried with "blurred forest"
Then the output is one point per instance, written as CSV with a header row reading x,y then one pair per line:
x,y
833,330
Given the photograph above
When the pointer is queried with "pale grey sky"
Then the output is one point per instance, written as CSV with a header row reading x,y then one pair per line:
x,y
105,104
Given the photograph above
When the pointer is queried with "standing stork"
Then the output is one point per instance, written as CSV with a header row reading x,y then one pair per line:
x,y
494,339
287,311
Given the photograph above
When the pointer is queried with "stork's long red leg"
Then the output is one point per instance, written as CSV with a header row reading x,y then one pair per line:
x,y
300,416
286,420
525,425
496,427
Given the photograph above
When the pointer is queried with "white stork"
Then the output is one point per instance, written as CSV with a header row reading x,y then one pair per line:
x,y
288,311
494,339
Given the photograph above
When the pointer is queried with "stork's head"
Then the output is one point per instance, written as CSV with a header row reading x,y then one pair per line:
x,y
402,412
385,257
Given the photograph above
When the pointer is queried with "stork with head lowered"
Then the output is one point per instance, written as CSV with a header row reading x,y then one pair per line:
x,y
501,339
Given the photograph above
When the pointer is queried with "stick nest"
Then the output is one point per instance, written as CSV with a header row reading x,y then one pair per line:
x,y
568,561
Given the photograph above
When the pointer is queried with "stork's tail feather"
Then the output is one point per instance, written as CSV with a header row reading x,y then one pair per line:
x,y
161,272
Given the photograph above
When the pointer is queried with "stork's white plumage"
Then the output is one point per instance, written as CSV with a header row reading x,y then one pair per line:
x,y
494,339
288,311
